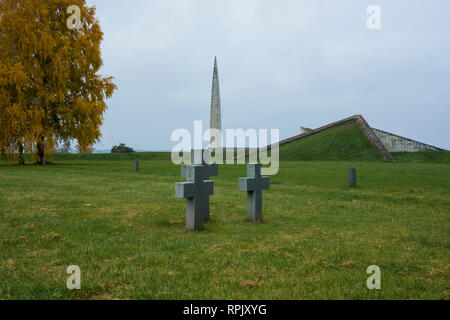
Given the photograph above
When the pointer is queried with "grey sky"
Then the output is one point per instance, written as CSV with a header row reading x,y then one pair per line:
x,y
282,64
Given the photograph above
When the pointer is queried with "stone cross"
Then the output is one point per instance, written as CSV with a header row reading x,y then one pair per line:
x,y
254,184
136,165
211,170
352,177
196,191
197,158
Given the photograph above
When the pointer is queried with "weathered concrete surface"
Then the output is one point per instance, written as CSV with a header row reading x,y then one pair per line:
x,y
395,143
305,130
215,101
373,138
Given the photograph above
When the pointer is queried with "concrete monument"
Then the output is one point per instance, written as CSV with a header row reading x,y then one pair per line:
x,y
216,116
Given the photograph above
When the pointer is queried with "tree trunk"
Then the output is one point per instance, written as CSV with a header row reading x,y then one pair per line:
x,y
21,159
40,153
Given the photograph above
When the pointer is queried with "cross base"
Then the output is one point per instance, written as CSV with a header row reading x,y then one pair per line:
x,y
254,206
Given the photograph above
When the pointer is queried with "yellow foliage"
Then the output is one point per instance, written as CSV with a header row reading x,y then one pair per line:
x,y
50,89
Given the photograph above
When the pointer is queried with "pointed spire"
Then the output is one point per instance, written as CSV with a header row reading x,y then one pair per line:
x,y
215,100
216,73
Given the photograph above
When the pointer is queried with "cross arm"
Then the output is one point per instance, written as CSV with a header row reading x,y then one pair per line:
x,y
247,184
213,170
209,187
265,183
184,190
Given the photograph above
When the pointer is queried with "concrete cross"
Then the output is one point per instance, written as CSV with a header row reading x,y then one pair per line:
x,y
197,158
196,191
254,184
211,170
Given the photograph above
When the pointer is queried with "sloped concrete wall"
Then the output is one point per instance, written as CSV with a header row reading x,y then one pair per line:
x,y
396,143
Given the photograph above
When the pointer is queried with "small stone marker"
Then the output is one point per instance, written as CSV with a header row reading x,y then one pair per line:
x,y
211,170
44,162
254,184
196,191
352,177
136,165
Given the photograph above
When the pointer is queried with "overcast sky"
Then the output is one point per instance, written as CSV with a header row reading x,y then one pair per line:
x,y
282,64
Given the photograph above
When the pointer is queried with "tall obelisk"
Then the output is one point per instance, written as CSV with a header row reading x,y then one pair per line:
x,y
215,101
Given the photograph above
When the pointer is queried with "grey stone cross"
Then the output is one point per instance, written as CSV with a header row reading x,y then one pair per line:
x,y
196,191
211,170
197,158
254,184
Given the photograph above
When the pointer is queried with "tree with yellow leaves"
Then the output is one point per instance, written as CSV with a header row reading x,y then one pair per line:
x,y
50,89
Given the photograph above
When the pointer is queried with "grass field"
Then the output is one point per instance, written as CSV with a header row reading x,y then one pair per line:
x,y
126,231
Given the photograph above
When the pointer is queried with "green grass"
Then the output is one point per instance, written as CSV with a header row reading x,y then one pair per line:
x,y
126,231
423,156
347,142
113,156
62,157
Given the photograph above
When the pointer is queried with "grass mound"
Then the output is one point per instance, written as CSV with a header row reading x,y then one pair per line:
x,y
346,142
